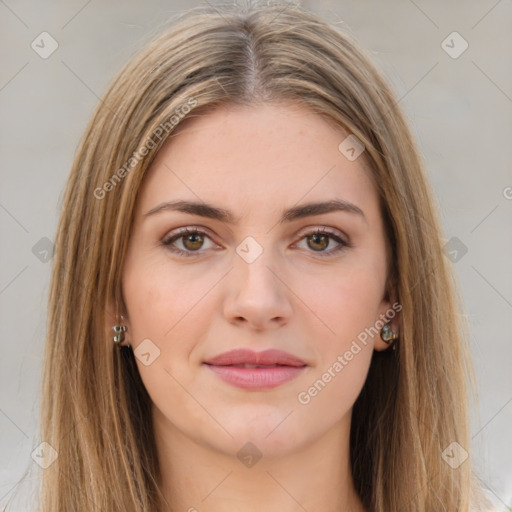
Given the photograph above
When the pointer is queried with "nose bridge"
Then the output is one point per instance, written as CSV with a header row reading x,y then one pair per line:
x,y
255,291
253,264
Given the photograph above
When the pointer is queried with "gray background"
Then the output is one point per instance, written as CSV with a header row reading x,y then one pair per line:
x,y
460,110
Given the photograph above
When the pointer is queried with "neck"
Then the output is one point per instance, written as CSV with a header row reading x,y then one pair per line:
x,y
197,477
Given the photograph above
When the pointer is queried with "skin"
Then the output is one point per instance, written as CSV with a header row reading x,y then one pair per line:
x,y
255,162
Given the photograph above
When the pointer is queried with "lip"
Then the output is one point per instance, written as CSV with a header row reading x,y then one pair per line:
x,y
287,368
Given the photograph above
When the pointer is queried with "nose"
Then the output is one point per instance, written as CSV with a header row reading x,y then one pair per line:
x,y
257,295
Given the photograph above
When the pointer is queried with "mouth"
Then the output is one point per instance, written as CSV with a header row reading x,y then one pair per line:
x,y
244,356
251,370
246,365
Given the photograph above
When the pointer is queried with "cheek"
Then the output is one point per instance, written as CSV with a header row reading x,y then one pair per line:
x,y
348,303
360,295
347,300
164,309
160,302
169,314
349,308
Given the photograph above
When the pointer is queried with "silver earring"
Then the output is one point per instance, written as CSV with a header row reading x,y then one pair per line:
x,y
119,333
387,334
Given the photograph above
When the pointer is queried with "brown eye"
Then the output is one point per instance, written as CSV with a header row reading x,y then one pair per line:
x,y
318,241
191,240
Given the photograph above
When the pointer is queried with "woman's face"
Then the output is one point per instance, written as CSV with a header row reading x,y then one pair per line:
x,y
255,277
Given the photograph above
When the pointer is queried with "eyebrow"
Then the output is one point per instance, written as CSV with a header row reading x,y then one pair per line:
x,y
297,212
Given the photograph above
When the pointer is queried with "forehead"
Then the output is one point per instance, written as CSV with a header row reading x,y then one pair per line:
x,y
267,154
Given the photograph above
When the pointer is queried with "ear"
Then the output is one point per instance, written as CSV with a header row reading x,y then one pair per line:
x,y
389,312
117,316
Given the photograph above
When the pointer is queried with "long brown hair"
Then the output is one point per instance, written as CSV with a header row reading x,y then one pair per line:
x,y
95,411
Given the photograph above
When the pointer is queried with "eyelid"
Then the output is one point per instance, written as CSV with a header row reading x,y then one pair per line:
x,y
178,233
341,239
327,229
334,233
304,231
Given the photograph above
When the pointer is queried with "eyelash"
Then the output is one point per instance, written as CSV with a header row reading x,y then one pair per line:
x,y
187,231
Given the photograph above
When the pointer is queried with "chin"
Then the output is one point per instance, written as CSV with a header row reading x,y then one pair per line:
x,y
276,439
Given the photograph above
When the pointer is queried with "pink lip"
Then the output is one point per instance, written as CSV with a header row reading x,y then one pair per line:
x,y
223,365
246,356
